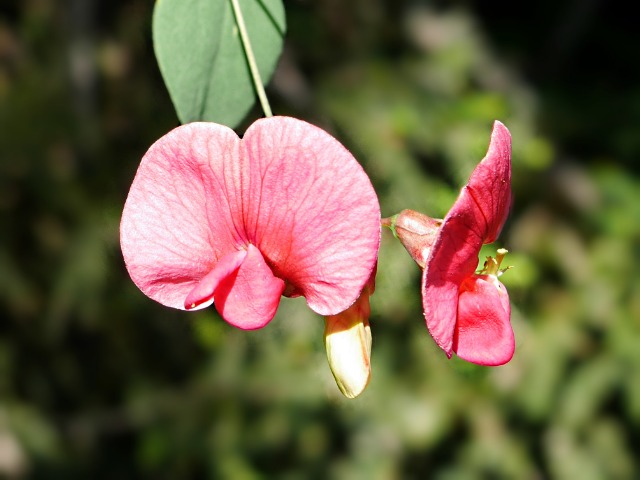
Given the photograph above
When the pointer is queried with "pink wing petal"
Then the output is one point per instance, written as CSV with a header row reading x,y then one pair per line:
x,y
483,333
249,297
173,230
453,258
490,183
311,211
202,295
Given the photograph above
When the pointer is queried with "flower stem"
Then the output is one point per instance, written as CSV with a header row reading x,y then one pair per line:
x,y
388,222
251,59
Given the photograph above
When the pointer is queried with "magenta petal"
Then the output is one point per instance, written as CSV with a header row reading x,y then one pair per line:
x,y
202,295
490,183
453,258
483,332
315,216
476,218
249,297
175,224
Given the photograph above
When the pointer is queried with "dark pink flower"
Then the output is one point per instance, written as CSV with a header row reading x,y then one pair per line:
x,y
287,210
466,312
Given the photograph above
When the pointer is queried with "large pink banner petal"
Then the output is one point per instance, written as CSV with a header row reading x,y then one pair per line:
x,y
312,211
167,242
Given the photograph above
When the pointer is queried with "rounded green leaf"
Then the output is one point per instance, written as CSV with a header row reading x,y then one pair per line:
x,y
202,59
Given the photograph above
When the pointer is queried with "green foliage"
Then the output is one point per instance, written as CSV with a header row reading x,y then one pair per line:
x,y
97,381
202,59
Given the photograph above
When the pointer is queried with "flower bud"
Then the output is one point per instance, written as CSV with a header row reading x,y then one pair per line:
x,y
417,232
347,339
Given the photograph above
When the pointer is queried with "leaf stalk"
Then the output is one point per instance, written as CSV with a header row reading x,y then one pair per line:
x,y
251,59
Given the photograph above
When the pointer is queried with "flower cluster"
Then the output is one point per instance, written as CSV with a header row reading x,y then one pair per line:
x,y
287,211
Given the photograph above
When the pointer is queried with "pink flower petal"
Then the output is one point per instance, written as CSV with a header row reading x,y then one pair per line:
x,y
476,218
202,295
490,183
453,258
176,222
483,332
249,297
317,218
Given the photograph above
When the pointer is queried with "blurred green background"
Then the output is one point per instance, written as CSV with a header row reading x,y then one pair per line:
x,y
97,381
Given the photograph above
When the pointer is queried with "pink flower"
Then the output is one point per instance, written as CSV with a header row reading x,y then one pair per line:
x,y
466,312
287,210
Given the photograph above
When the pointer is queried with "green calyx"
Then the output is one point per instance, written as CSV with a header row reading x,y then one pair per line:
x,y
390,223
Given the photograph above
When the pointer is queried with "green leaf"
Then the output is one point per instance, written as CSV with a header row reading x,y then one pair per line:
x,y
202,60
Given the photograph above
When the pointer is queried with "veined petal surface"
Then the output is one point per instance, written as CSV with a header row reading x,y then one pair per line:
x,y
311,211
288,190
176,222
